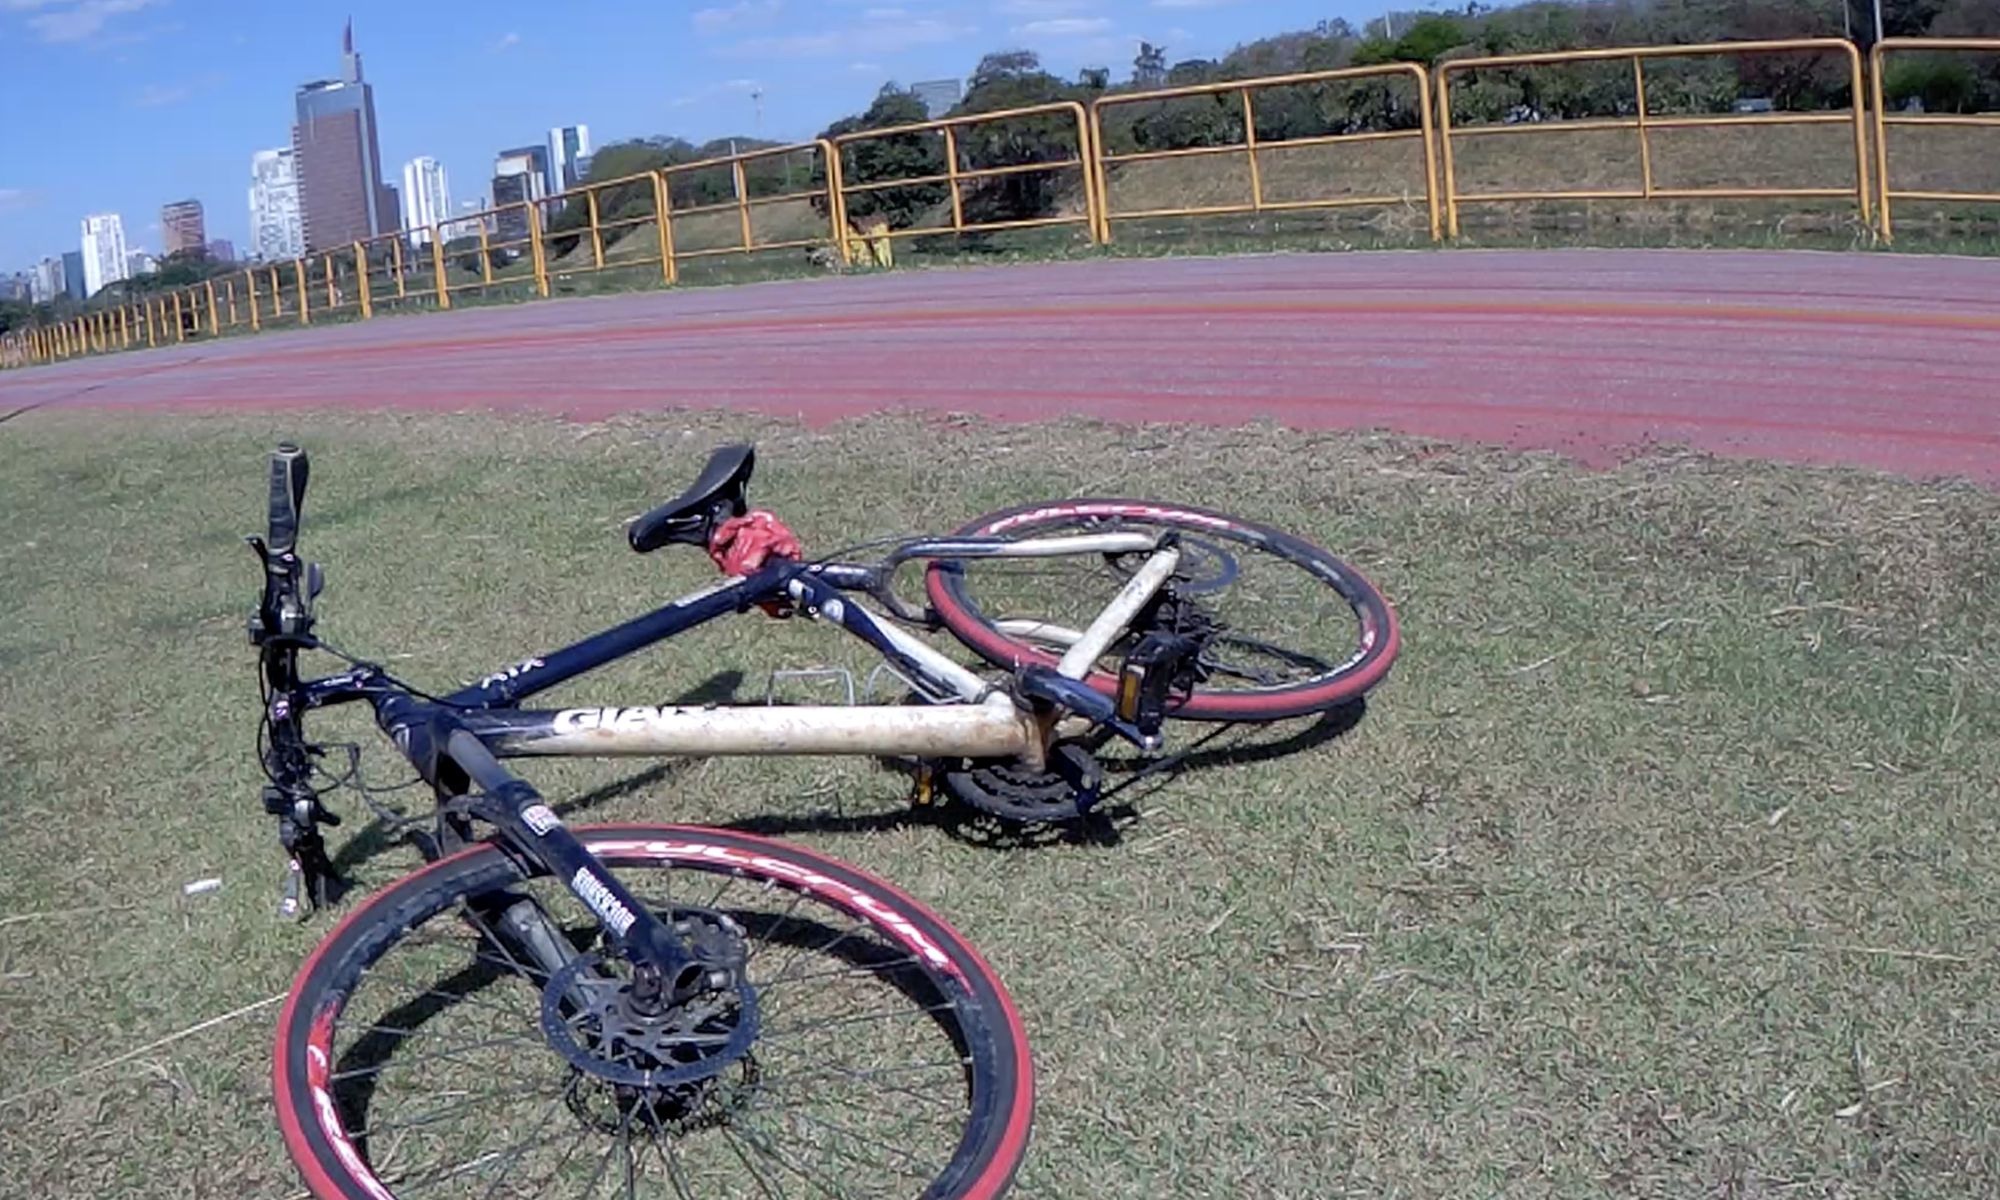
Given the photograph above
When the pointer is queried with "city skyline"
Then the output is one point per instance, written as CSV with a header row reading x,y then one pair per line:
x,y
165,101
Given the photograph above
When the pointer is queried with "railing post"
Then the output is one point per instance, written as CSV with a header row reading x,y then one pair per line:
x,y
305,305
1444,150
1881,134
180,324
742,189
1250,152
214,318
535,255
596,234
361,280
437,267
663,216
485,253
951,174
1645,139
250,286
836,199
396,264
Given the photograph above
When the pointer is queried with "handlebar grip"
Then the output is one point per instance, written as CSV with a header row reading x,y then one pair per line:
x,y
289,469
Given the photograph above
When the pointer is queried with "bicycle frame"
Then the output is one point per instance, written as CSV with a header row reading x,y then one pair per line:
x,y
457,743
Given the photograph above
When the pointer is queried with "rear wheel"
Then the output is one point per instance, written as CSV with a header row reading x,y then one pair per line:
x,y
415,1056
1289,629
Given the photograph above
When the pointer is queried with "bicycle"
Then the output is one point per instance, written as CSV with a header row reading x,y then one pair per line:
x,y
657,1017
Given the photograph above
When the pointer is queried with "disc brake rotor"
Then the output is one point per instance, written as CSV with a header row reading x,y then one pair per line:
x,y
589,1017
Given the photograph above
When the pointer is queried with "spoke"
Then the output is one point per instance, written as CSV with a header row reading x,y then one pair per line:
x,y
669,1157
851,972
830,1022
764,1184
863,1139
770,935
514,1158
436,1115
604,1164
831,1073
448,1053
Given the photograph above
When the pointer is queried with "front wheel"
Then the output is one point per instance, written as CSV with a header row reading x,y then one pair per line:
x,y
415,1056
1287,629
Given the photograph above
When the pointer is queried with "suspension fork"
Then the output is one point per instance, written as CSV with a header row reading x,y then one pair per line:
x,y
665,970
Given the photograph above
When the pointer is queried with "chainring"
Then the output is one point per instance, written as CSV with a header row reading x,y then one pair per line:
x,y
1068,790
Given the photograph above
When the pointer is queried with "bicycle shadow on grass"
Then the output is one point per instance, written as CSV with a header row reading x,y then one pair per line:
x,y
1104,826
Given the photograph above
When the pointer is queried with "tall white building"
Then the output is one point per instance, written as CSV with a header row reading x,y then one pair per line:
x,y
103,251
426,199
569,146
45,283
277,227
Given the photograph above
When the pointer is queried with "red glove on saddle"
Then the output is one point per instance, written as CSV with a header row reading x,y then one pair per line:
x,y
741,545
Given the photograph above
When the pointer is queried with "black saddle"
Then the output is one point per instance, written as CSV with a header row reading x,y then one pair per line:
x,y
689,518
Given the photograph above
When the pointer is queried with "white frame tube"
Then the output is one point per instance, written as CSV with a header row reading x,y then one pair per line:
x,y
1077,661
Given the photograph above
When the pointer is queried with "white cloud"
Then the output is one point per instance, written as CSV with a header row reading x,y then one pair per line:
x,y
884,14
155,96
868,38
1193,3
864,68
15,199
713,90
1063,27
1043,8
73,20
507,42
744,14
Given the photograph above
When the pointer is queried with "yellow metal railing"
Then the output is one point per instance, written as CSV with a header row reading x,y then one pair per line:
x,y
1643,123
955,175
1884,119
726,206
1251,147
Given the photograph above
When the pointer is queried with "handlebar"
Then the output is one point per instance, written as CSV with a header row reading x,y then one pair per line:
x,y
289,471
286,608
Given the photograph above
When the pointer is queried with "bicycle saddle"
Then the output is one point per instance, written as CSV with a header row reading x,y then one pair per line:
x,y
689,518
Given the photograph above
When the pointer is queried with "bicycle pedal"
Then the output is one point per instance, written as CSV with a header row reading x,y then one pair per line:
x,y
842,674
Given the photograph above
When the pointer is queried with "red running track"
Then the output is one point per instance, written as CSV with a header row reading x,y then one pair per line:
x,y
1890,362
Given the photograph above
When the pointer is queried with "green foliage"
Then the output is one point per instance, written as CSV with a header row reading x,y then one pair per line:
x,y
897,156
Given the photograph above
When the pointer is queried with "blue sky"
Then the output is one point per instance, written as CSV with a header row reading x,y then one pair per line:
x,y
124,105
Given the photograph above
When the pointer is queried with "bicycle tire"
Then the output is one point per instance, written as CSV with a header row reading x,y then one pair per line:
x,y
1378,636
318,1130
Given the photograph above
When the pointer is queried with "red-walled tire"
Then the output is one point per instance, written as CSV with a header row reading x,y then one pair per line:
x,y
329,1140
1377,637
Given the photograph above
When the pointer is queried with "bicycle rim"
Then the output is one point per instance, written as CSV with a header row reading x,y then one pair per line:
x,y
1008,612
889,1060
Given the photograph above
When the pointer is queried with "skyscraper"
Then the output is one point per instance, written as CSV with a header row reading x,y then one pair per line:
x,y
45,282
277,230
426,198
103,252
518,175
940,96
342,197
222,250
74,283
568,147
182,228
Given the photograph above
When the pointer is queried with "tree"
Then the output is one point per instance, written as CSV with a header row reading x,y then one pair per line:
x,y
881,159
